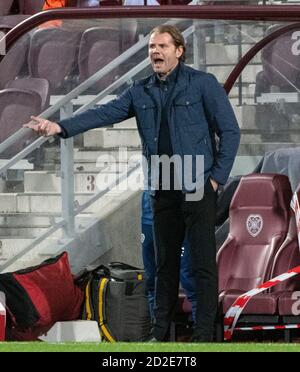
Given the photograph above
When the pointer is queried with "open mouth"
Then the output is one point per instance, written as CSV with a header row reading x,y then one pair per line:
x,y
158,61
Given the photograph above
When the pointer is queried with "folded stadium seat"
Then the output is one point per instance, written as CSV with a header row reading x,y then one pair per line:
x,y
14,62
10,21
91,57
5,6
40,86
30,6
16,107
259,223
53,56
4,28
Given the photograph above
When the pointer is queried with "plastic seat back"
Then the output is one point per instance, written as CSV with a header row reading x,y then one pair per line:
x,y
259,222
98,47
53,56
31,6
5,6
16,107
40,86
14,61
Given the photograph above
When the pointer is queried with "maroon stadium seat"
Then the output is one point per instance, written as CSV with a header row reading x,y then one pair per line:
x,y
14,61
53,56
16,107
5,6
10,21
114,41
40,86
31,6
92,58
259,222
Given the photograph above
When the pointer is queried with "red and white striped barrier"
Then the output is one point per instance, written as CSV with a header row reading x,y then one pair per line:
x,y
234,312
2,316
268,328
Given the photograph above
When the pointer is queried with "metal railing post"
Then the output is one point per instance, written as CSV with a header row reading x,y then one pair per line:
x,y
67,177
199,46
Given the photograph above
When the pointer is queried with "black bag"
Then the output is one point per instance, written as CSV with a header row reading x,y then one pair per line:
x,y
115,297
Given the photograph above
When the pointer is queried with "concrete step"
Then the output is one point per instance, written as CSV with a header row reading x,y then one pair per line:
x,y
91,160
23,231
11,246
49,247
95,234
105,168
28,220
102,157
108,138
34,202
27,226
85,182
84,166
127,124
248,75
220,54
43,202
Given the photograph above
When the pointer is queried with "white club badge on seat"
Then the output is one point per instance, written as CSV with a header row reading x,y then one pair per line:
x,y
254,224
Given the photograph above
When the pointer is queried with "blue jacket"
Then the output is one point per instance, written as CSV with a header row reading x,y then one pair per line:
x,y
199,108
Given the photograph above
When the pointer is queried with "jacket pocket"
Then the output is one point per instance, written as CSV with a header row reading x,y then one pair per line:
x,y
189,111
187,101
145,112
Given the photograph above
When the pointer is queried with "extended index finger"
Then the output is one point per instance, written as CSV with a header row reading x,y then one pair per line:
x,y
37,119
30,125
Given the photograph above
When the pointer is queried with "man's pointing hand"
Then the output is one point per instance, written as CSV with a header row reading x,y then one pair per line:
x,y
43,127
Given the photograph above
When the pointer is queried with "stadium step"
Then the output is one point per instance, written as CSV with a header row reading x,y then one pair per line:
x,y
222,54
85,182
39,202
10,247
91,160
108,138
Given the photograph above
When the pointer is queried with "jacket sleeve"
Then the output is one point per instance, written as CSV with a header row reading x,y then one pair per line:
x,y
222,121
112,112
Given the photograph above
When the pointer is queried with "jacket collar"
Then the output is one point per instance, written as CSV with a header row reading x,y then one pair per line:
x,y
182,79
